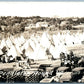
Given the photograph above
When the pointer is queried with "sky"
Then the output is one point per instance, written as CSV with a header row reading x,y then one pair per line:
x,y
43,9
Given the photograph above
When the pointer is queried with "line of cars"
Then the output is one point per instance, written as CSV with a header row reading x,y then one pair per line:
x,y
43,73
64,74
68,73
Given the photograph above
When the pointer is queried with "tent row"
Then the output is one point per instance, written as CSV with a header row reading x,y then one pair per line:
x,y
36,47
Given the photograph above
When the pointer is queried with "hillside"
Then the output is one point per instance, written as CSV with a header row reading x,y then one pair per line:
x,y
15,25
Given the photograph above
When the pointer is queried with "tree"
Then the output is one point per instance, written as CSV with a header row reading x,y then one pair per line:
x,y
75,59
62,58
71,56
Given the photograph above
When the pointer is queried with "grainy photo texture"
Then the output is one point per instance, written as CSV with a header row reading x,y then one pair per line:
x,y
41,42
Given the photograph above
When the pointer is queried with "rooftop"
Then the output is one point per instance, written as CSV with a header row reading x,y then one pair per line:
x,y
66,76
62,68
78,69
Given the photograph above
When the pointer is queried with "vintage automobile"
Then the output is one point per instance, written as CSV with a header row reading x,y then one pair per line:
x,y
61,70
77,73
66,77
48,69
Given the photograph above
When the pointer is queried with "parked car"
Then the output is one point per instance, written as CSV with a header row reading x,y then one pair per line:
x,y
61,70
77,73
66,77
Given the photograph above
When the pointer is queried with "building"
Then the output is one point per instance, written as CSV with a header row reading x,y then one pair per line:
x,y
78,27
42,24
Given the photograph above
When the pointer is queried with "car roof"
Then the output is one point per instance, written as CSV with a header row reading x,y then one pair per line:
x,y
78,69
62,68
66,76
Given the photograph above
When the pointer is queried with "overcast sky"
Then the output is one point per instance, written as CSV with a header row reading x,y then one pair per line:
x,y
43,9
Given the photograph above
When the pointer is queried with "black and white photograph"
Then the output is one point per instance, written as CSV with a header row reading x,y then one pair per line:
x,y
41,42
